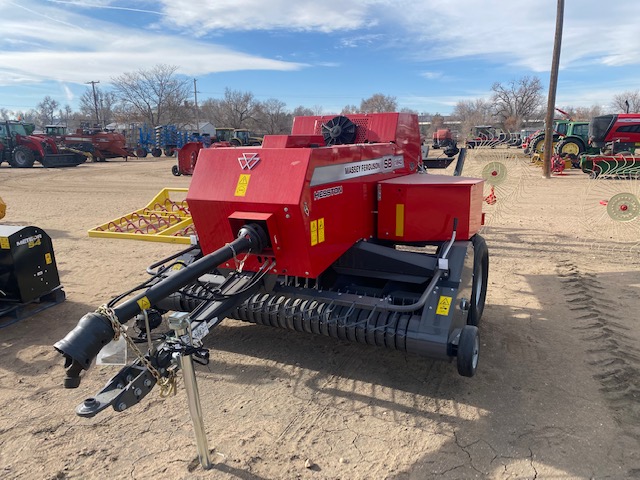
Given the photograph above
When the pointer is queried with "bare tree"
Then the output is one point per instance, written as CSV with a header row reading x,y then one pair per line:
x,y
301,111
272,118
347,109
106,102
379,103
583,114
5,114
471,113
236,110
156,95
46,110
629,100
65,114
517,101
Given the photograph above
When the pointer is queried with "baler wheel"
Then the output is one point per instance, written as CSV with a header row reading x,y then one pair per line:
x,y
480,279
468,351
175,170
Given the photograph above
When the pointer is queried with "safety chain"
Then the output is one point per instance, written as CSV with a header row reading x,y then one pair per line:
x,y
238,263
167,384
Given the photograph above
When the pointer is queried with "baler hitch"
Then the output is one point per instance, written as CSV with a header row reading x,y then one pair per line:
x,y
94,330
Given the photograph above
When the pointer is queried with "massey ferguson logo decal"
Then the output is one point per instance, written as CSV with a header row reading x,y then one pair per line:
x,y
248,160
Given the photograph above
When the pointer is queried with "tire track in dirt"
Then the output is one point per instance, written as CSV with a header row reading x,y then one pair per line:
x,y
615,360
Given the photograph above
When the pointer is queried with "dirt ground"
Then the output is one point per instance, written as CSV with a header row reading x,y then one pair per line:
x,y
556,396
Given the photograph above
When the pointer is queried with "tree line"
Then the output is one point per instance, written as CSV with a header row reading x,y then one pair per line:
x,y
158,96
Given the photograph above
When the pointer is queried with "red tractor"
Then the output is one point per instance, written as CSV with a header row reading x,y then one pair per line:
x,y
100,144
615,139
22,150
615,133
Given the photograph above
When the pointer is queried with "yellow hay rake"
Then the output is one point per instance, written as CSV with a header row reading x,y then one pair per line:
x,y
164,219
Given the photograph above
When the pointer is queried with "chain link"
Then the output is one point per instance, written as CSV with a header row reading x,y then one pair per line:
x,y
167,384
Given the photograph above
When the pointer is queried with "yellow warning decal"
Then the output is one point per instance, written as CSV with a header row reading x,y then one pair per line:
x,y
317,231
400,220
243,183
444,304
314,232
4,243
144,303
47,258
321,230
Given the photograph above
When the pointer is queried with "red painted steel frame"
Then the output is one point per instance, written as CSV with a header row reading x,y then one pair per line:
x,y
315,201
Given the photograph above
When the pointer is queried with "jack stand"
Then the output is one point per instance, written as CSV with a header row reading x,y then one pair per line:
x,y
179,323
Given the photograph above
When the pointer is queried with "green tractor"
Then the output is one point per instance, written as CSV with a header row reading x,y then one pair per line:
x,y
237,137
575,142
569,138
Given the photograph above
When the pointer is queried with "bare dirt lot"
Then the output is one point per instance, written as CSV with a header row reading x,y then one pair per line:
x,y
557,393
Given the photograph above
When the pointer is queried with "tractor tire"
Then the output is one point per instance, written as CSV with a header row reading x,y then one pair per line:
x,y
175,170
468,351
570,147
156,152
537,145
22,157
480,279
141,152
235,142
255,144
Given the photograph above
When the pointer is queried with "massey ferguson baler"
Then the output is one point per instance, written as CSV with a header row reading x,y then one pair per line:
x,y
336,230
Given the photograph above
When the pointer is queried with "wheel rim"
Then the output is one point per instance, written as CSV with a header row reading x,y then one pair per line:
x,y
476,352
477,294
570,148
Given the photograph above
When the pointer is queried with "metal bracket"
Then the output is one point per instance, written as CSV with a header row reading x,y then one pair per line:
x,y
122,391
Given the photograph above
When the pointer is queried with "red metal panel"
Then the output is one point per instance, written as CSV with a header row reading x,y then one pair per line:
x,y
322,199
315,202
421,207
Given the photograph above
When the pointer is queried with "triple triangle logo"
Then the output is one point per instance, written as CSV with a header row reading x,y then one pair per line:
x,y
248,160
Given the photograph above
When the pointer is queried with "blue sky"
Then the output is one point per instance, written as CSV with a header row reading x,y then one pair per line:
x,y
429,54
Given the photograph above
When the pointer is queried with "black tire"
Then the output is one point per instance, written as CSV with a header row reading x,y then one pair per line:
x,y
480,280
168,152
22,157
156,152
570,146
537,144
235,142
468,351
175,170
141,152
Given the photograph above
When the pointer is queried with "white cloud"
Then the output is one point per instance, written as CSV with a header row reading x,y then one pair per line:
x,y
522,33
68,93
432,75
64,46
239,15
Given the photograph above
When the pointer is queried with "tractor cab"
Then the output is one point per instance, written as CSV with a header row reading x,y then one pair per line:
x,y
55,130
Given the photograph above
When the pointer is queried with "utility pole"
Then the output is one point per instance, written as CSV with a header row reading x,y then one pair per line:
x,y
95,99
195,96
553,85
